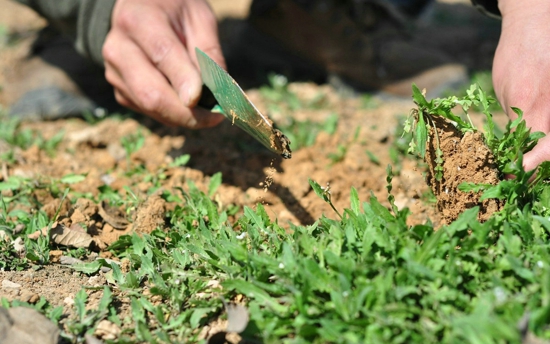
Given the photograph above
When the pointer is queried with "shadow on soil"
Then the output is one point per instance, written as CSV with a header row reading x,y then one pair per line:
x,y
456,30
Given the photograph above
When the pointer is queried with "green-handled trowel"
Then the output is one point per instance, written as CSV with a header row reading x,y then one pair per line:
x,y
239,109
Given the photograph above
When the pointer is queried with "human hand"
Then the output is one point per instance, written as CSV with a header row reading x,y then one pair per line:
x,y
150,58
521,69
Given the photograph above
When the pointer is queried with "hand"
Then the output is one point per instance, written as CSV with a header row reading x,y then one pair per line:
x,y
150,58
521,69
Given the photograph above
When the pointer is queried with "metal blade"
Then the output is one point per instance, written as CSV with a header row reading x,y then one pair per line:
x,y
239,109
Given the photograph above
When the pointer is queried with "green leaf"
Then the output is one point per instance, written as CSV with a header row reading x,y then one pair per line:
x,y
73,178
354,200
13,183
372,158
89,268
181,160
254,292
215,182
197,315
80,303
106,299
317,189
418,98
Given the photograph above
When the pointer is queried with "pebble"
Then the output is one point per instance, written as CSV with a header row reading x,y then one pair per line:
x,y
95,281
9,284
69,301
107,330
22,325
66,260
28,296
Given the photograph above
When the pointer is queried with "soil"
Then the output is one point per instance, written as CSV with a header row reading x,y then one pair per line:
x,y
356,155
466,158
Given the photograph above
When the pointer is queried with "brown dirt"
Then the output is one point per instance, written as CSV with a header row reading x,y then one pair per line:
x,y
466,158
56,283
251,174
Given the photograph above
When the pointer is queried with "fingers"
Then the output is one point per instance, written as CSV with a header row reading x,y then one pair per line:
x,y
158,40
141,86
539,154
202,28
169,41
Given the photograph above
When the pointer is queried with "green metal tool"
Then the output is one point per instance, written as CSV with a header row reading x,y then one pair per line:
x,y
239,109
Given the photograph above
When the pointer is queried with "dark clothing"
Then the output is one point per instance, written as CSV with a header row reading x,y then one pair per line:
x,y
489,7
87,22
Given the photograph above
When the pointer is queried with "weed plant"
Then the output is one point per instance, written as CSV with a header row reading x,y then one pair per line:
x,y
367,277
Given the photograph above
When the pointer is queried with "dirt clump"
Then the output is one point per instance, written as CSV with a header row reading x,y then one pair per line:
x,y
150,215
466,158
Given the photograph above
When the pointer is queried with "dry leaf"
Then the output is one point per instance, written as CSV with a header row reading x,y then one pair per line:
x,y
65,236
112,216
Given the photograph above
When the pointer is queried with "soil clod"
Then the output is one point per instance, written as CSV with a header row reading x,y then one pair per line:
x,y
466,158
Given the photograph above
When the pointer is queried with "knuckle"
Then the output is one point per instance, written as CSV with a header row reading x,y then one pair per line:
x,y
126,20
109,50
160,48
150,99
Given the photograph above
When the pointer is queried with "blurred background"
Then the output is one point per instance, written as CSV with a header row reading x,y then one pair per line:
x,y
359,47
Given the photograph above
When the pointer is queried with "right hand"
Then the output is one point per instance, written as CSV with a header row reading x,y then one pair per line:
x,y
150,58
521,69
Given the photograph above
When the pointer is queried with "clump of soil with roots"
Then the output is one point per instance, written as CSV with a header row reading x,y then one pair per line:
x,y
460,158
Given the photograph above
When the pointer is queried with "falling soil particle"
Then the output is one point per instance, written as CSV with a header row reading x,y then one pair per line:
x,y
466,158
269,173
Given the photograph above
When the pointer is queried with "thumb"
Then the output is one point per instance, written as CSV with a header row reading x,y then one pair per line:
x,y
202,32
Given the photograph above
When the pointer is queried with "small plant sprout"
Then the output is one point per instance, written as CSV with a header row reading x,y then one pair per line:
x,y
389,187
324,193
132,143
506,147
